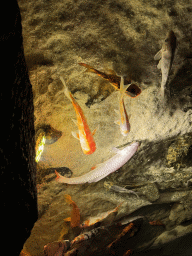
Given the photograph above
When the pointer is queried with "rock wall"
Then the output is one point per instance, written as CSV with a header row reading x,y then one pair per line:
x,y
17,149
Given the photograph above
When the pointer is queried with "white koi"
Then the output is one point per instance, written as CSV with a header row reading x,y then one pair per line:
x,y
104,169
124,120
166,55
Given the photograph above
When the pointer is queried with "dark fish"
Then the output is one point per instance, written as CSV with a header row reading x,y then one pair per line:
x,y
133,90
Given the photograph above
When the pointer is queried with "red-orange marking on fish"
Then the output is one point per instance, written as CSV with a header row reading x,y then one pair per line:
x,y
85,136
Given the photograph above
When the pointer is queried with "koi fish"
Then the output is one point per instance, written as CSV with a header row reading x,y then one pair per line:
x,y
107,217
166,55
86,235
75,214
104,169
119,189
124,120
84,135
133,90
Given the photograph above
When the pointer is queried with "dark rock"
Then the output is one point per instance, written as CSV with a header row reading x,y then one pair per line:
x,y
17,150
51,134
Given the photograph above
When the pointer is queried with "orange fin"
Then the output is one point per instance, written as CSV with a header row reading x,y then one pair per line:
x,y
75,135
64,231
89,68
67,219
94,131
117,122
58,175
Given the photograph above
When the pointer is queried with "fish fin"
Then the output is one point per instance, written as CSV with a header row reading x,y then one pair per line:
x,y
88,68
67,219
59,176
65,230
117,111
123,87
75,135
96,166
158,55
159,65
117,122
66,90
94,131
74,121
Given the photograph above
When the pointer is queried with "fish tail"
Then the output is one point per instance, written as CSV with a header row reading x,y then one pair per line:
x,y
68,199
88,68
123,87
59,177
66,90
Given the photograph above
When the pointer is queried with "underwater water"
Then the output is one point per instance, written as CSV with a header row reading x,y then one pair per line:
x,y
138,201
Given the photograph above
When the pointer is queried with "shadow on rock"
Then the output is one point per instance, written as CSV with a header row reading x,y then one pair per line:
x,y
180,88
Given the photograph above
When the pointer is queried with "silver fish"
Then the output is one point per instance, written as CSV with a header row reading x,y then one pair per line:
x,y
122,190
166,55
104,169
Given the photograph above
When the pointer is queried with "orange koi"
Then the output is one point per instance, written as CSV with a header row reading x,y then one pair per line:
x,y
133,90
84,135
75,214
124,120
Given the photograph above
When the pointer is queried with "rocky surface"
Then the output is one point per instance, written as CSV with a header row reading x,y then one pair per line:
x,y
122,36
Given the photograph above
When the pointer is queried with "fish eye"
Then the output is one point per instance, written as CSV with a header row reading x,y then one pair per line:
x,y
166,40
